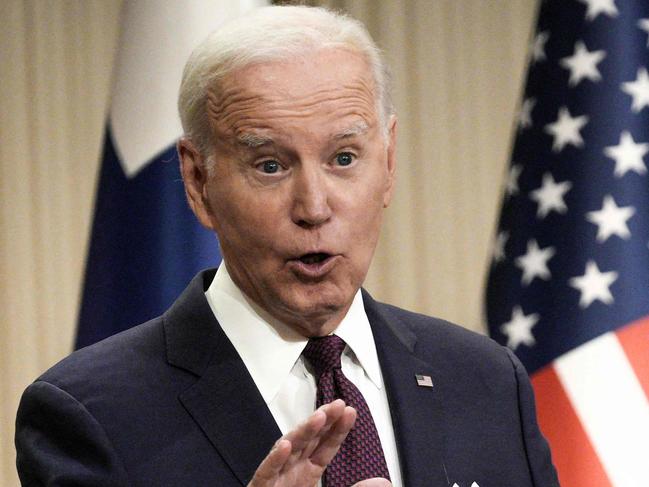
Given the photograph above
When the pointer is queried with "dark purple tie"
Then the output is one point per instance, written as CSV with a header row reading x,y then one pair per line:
x,y
360,457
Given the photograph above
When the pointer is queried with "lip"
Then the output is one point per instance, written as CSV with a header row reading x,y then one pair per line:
x,y
313,271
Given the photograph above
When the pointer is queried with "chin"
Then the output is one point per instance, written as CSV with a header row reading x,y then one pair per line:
x,y
319,305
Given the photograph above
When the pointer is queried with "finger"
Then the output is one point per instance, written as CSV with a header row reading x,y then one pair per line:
x,y
376,482
271,466
303,437
307,434
332,439
334,411
306,431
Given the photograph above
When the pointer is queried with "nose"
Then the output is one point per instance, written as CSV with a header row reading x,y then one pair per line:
x,y
311,205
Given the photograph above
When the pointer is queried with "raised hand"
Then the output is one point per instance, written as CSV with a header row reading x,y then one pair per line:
x,y
300,457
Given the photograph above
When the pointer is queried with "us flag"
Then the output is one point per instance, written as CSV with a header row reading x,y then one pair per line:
x,y
568,287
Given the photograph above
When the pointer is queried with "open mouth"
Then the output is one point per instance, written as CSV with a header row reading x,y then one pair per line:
x,y
314,265
315,258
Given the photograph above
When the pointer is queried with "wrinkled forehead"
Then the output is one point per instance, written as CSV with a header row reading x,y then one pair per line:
x,y
326,85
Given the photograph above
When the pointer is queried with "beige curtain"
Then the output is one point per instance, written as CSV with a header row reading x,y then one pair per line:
x,y
457,70
55,60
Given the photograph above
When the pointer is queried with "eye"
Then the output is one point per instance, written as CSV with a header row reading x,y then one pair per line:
x,y
344,158
269,167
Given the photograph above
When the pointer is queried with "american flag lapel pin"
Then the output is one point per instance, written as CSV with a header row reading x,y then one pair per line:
x,y
424,380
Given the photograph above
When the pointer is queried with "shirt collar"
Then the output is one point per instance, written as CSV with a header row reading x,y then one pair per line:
x,y
269,348
355,330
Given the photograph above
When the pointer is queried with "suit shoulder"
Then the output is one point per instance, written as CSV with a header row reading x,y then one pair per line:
x,y
123,355
437,336
423,324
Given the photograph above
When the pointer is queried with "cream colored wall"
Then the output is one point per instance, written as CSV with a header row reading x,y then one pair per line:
x,y
457,66
55,61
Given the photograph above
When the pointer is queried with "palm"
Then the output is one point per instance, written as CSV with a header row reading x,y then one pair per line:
x,y
300,457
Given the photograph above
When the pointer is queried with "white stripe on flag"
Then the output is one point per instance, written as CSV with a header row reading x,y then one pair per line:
x,y
612,407
156,40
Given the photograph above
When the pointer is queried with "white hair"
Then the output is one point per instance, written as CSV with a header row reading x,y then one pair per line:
x,y
267,34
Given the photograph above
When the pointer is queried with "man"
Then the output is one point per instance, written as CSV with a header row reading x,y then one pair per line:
x,y
289,156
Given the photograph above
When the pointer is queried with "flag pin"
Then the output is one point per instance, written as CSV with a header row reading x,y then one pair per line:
x,y
424,380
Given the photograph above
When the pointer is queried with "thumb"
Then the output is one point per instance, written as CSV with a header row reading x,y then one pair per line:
x,y
375,482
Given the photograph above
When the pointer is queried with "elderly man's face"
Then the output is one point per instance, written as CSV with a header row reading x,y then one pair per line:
x,y
301,175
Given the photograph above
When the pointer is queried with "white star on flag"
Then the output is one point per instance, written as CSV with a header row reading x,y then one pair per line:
x,y
627,155
577,252
538,46
535,262
583,64
611,219
550,196
511,187
525,113
499,246
639,90
519,328
566,130
594,285
644,25
596,7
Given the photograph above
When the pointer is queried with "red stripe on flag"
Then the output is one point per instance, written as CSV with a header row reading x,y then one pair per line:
x,y
573,455
635,342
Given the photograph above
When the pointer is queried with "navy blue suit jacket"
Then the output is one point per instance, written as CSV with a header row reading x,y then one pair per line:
x,y
170,403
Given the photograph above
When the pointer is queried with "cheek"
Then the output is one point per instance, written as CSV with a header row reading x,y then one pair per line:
x,y
243,221
365,220
369,196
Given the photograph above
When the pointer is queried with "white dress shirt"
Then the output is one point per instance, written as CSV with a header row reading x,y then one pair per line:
x,y
272,353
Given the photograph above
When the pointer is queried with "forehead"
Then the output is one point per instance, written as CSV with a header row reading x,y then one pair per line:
x,y
324,89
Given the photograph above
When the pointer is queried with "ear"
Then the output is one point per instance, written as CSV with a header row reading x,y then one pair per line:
x,y
391,161
195,177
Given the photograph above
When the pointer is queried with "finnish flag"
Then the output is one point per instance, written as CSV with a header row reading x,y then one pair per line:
x,y
146,244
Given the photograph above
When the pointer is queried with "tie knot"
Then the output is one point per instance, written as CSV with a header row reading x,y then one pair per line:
x,y
324,353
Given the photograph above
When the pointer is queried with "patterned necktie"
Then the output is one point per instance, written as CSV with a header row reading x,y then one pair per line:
x,y
360,456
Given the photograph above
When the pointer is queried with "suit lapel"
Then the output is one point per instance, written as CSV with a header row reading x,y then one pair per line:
x,y
417,412
228,407
224,401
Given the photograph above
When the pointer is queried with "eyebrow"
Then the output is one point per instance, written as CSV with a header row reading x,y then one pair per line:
x,y
254,140
358,128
